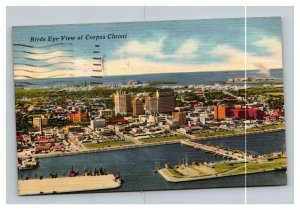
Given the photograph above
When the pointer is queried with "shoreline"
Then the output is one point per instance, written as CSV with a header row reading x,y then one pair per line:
x,y
137,74
259,165
188,179
236,134
151,144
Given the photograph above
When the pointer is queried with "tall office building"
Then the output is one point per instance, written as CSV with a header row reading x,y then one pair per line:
x,y
166,100
137,107
39,122
180,116
162,102
151,104
221,112
123,103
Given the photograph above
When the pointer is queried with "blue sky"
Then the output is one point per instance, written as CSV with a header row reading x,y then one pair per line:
x,y
150,47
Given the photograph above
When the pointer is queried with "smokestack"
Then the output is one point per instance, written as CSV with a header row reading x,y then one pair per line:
x,y
263,69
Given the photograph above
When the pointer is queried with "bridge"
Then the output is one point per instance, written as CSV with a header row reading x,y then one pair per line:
x,y
233,154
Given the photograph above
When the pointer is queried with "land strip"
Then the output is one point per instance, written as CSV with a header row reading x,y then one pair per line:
x,y
67,184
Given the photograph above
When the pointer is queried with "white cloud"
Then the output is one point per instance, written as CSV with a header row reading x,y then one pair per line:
x,y
148,48
187,49
135,61
271,44
236,58
137,49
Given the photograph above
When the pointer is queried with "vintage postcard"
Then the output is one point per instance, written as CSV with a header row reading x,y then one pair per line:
x,y
149,105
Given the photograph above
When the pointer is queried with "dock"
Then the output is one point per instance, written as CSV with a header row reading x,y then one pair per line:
x,y
236,155
67,184
202,171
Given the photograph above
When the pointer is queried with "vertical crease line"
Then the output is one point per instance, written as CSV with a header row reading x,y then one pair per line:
x,y
245,100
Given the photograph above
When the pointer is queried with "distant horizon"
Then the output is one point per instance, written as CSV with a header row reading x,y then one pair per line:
x,y
278,69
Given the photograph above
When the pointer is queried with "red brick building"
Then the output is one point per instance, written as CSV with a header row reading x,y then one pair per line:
x,y
120,121
45,140
248,113
77,116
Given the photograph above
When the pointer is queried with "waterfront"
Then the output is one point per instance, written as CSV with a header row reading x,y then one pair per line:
x,y
202,139
136,165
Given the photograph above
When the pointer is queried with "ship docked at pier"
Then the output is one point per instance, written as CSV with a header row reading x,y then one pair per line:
x,y
27,163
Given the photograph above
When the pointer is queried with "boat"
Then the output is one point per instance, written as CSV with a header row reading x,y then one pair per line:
x,y
167,165
86,172
27,163
72,173
53,174
186,160
118,178
195,163
157,166
96,172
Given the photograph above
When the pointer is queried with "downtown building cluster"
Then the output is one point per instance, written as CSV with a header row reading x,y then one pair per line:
x,y
164,113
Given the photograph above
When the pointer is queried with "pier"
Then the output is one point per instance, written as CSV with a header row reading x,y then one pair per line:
x,y
67,184
233,154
